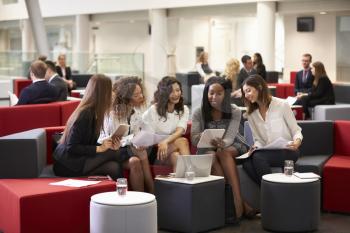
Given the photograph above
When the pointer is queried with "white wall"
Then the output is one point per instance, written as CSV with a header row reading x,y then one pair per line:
x,y
321,44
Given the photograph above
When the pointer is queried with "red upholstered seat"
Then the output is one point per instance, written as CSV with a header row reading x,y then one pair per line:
x,y
293,76
67,108
19,85
336,172
34,206
50,131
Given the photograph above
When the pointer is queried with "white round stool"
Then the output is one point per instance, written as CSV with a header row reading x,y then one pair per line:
x,y
134,212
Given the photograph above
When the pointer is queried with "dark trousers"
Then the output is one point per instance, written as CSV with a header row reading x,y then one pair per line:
x,y
261,161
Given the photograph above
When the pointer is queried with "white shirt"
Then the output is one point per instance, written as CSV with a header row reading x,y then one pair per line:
x,y
153,122
111,124
279,122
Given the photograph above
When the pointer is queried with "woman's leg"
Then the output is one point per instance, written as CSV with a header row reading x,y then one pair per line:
x,y
136,177
148,180
182,146
229,168
111,168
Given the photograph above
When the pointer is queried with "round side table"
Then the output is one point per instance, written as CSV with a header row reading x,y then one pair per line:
x,y
290,204
134,212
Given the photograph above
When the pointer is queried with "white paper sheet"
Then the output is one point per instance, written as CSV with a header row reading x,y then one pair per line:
x,y
13,98
306,175
145,138
279,143
291,100
208,135
75,183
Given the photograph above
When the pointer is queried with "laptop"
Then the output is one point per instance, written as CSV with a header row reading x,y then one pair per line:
x,y
201,165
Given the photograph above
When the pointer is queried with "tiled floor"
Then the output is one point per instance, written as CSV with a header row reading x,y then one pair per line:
x,y
330,223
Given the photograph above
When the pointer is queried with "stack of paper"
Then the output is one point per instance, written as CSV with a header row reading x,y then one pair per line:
x,y
145,138
75,183
306,175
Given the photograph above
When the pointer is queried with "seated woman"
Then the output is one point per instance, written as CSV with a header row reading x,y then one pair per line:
x,y
78,153
202,67
259,66
269,118
217,113
321,92
127,108
230,73
168,115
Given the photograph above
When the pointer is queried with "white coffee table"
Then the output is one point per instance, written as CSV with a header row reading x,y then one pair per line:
x,y
134,212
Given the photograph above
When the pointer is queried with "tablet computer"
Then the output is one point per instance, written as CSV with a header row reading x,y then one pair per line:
x,y
208,135
120,131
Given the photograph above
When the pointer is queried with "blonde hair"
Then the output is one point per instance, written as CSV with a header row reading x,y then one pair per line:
x,y
231,71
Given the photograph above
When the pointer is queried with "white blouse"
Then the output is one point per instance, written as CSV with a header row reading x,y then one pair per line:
x,y
153,122
279,122
111,123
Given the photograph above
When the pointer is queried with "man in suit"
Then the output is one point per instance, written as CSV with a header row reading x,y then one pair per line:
x,y
65,72
304,78
40,91
246,71
53,78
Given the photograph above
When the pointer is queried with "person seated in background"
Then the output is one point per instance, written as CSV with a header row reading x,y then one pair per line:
x,y
78,153
40,91
203,68
53,78
246,70
127,107
218,113
168,116
321,92
269,118
40,58
304,78
65,72
259,66
230,73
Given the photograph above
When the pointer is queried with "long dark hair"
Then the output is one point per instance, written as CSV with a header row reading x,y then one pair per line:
x,y
226,103
124,89
161,96
320,72
97,98
260,85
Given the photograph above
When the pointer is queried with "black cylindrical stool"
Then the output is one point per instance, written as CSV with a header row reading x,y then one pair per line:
x,y
289,204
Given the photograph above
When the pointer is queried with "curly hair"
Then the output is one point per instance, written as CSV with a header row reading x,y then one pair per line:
x,y
123,90
161,97
231,71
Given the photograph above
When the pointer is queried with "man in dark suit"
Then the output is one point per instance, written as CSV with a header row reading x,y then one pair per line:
x,y
53,78
246,71
65,72
304,78
40,91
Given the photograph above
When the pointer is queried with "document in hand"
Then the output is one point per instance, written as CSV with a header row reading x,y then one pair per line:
x,y
279,143
291,100
13,98
208,135
120,131
145,138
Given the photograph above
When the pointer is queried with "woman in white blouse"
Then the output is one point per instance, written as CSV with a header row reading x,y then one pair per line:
x,y
168,115
127,108
269,118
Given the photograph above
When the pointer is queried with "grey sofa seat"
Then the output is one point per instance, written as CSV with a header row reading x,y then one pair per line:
x,y
23,155
313,163
332,112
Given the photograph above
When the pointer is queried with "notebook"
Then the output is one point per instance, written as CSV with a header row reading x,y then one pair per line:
x,y
13,98
200,165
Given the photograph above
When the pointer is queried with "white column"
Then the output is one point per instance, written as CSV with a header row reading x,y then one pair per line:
x,y
158,22
81,55
266,32
38,27
27,40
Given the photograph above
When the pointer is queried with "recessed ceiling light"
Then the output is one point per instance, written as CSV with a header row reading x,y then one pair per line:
x,y
323,13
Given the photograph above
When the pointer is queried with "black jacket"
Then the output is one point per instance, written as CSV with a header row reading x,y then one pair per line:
x,y
60,86
38,93
300,86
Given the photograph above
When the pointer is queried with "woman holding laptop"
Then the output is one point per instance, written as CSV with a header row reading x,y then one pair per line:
x,y
270,118
128,104
168,116
218,113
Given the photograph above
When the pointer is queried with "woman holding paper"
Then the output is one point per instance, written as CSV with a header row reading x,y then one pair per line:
x,y
168,116
217,113
78,153
270,119
128,104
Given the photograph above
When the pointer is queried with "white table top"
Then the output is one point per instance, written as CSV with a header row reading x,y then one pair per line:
x,y
196,180
131,198
282,178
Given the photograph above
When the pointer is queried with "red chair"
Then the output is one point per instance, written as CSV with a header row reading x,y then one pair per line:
x,y
293,75
19,84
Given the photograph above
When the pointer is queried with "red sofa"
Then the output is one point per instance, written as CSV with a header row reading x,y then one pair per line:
x,y
336,172
293,76
19,84
25,117
283,90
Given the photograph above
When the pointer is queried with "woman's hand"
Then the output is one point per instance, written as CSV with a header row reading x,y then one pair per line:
x,y
162,152
106,144
294,145
218,143
116,143
237,93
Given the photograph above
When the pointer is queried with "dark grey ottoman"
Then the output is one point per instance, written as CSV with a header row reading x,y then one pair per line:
x,y
289,204
190,206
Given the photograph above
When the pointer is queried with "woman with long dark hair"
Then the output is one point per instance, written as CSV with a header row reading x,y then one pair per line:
x,y
78,153
269,118
127,108
168,116
217,113
259,65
